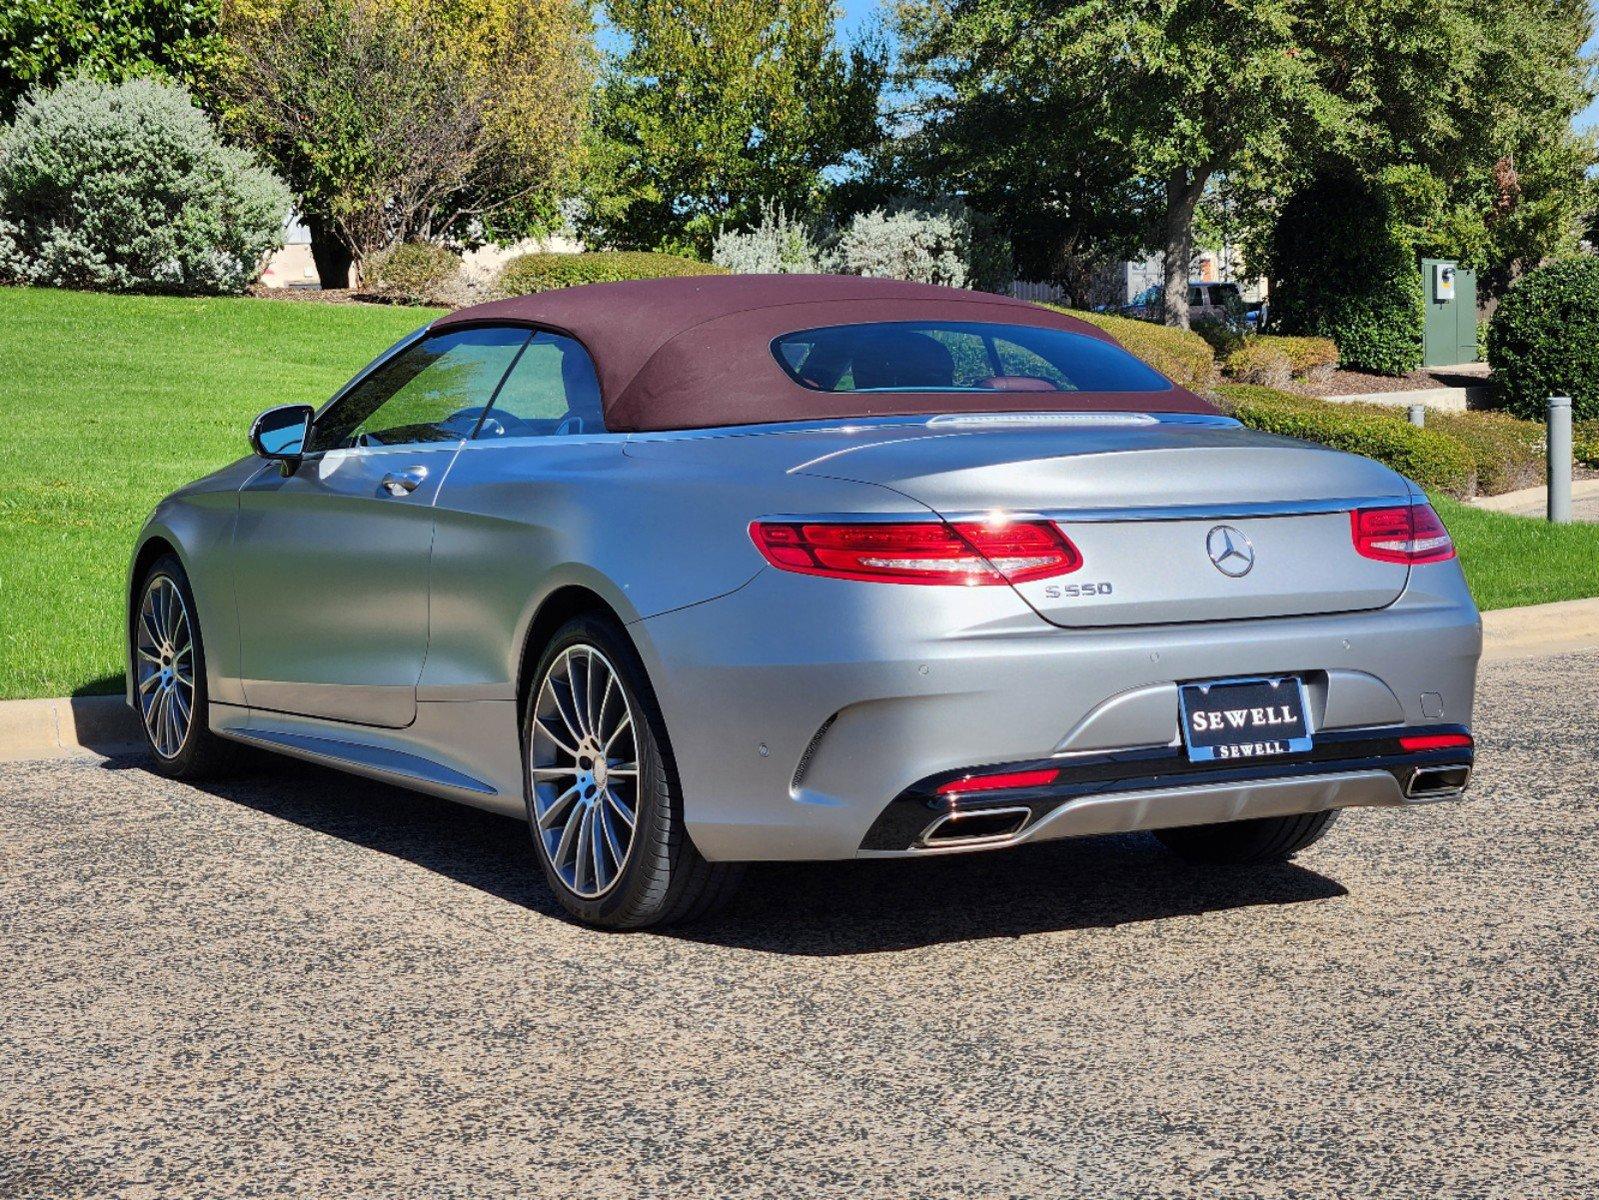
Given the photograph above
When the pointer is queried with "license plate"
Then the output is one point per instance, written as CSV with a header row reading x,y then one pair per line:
x,y
1242,719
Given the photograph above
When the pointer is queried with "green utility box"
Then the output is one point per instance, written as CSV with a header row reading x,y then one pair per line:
x,y
1449,336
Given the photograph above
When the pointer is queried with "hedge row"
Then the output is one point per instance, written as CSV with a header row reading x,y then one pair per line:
x,y
544,272
1460,454
1508,453
1434,459
1585,442
1183,357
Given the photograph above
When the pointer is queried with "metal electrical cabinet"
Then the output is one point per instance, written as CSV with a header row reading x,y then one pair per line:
x,y
1449,335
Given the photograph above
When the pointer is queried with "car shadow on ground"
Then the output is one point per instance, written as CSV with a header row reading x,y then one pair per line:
x,y
819,909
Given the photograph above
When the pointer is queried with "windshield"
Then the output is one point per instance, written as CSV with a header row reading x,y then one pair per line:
x,y
959,356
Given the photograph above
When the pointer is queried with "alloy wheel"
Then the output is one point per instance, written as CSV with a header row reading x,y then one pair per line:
x,y
584,765
164,654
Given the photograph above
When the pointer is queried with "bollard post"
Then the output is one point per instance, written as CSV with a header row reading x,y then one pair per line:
x,y
1418,415
1560,459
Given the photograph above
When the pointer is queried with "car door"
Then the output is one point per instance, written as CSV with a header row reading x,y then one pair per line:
x,y
519,501
332,558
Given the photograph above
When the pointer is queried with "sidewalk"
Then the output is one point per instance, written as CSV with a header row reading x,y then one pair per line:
x,y
1534,501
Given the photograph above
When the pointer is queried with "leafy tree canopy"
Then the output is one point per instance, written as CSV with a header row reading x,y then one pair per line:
x,y
43,42
715,106
1139,106
400,120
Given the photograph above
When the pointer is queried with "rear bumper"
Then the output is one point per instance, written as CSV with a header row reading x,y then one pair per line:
x,y
1160,789
801,710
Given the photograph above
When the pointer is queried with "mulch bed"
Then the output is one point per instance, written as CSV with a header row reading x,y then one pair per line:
x,y
1355,383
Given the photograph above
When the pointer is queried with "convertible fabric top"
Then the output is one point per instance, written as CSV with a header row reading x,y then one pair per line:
x,y
695,352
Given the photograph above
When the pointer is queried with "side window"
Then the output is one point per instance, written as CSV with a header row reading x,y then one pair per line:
x,y
1196,295
552,390
433,392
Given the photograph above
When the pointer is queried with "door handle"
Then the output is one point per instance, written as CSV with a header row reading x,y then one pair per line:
x,y
403,483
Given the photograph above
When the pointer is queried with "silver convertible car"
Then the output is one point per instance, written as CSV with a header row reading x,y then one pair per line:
x,y
691,573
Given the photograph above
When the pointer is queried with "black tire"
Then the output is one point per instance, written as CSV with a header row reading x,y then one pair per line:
x,y
664,879
1241,843
201,754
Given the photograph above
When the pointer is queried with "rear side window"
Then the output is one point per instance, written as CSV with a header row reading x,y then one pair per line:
x,y
959,356
551,390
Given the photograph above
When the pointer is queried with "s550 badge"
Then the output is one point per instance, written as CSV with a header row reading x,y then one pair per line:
x,y
1076,591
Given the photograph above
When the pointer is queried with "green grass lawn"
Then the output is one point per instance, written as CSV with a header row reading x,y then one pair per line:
x,y
1511,561
110,402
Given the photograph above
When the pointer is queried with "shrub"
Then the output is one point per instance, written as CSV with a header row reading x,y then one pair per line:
x,y
1369,303
1221,335
544,272
1261,361
1508,453
1544,339
1178,354
126,187
1585,442
944,243
1434,459
777,245
416,273
1309,358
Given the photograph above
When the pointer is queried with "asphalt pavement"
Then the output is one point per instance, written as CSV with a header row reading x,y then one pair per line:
x,y
300,984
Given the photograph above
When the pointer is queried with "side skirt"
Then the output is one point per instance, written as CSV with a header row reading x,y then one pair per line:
x,y
468,751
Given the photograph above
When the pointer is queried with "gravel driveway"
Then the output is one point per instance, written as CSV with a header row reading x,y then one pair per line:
x,y
310,985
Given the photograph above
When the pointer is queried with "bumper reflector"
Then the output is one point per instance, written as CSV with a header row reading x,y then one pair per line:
x,y
1435,741
993,783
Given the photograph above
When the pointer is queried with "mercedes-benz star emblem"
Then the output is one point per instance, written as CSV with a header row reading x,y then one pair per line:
x,y
1230,551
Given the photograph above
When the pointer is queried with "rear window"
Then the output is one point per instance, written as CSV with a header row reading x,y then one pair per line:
x,y
959,356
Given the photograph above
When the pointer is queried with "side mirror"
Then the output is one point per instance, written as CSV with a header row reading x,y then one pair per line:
x,y
281,434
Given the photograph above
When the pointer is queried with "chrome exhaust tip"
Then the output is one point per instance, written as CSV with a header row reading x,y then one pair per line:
x,y
975,827
1437,783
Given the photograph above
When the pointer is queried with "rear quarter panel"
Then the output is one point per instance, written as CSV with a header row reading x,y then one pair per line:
x,y
648,524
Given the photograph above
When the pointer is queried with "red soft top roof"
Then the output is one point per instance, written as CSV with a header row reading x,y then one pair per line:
x,y
695,352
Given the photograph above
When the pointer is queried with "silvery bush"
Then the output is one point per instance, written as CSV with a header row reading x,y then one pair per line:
x,y
777,245
925,243
127,187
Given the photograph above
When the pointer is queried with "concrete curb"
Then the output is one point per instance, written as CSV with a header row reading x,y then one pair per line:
x,y
105,726
1533,501
72,725
1540,630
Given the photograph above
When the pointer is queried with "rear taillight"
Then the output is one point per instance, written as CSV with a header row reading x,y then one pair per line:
x,y
963,553
1411,533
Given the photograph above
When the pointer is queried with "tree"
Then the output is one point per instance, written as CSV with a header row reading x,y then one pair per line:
x,y
716,106
1139,103
1067,206
1463,110
1142,104
404,120
43,42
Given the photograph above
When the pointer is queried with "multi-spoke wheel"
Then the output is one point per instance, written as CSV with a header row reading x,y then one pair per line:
x,y
583,758
602,796
163,645
168,659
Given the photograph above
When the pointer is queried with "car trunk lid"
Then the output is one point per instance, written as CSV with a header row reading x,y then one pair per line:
x,y
1176,520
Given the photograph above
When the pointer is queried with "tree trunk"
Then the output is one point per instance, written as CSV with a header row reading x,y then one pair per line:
x,y
330,253
1183,190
